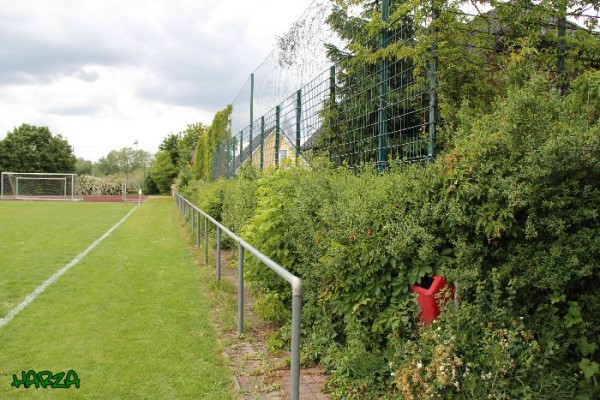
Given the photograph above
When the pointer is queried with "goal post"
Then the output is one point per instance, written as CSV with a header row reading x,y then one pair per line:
x,y
39,186
132,192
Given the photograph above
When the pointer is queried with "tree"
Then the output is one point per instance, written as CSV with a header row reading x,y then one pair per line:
x,y
169,144
188,143
123,161
31,148
209,142
83,167
163,171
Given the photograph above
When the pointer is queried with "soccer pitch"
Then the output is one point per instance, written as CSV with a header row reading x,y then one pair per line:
x,y
128,319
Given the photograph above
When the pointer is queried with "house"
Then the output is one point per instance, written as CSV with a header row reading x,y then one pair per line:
x,y
287,150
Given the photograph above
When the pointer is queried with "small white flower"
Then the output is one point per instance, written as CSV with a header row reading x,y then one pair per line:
x,y
392,374
419,365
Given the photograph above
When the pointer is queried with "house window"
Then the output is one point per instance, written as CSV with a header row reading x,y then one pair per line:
x,y
283,154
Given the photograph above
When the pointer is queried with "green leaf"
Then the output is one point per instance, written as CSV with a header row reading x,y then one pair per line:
x,y
589,368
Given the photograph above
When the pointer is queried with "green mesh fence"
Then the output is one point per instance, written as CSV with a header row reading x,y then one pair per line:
x,y
299,103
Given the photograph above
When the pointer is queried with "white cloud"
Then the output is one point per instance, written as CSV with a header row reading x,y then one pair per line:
x,y
104,73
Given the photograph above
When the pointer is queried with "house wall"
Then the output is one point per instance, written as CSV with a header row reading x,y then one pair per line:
x,y
269,151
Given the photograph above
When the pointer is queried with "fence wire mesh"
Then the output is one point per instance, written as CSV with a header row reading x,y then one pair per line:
x,y
311,95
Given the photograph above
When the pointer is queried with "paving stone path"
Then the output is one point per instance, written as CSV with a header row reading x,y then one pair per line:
x,y
260,374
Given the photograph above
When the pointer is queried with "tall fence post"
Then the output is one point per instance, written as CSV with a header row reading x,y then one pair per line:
x,y
241,149
215,163
433,99
262,142
240,289
331,104
277,134
298,121
561,49
384,94
251,112
227,144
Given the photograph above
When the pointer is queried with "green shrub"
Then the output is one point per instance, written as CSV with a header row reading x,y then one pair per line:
x,y
511,213
93,186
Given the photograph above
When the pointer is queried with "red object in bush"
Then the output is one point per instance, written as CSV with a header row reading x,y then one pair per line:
x,y
429,296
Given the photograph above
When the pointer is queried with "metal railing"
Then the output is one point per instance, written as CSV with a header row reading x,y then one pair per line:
x,y
193,214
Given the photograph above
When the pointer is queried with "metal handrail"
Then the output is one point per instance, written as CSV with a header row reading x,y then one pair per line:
x,y
192,214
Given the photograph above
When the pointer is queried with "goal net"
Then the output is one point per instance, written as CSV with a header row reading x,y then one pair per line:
x,y
39,186
132,192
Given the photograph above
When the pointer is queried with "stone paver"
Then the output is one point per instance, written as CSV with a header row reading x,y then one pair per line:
x,y
258,374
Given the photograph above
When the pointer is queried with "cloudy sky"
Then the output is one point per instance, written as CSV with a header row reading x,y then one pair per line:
x,y
104,73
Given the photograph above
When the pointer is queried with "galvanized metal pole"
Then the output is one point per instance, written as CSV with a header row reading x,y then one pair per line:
x,y
277,140
198,231
433,98
205,240
296,330
384,95
218,254
298,120
240,288
193,221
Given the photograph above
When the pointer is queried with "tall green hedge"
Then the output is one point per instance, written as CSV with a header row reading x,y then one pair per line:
x,y
510,213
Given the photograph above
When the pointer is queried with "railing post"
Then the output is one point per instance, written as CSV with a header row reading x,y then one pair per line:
x,y
198,231
218,254
296,332
193,221
206,240
240,289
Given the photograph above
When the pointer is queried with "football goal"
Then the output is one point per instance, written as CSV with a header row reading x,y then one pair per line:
x,y
132,192
39,186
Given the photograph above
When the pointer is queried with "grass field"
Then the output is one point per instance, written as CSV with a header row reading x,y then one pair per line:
x,y
37,238
129,319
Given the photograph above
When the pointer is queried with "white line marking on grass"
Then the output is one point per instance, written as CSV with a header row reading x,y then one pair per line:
x,y
40,289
